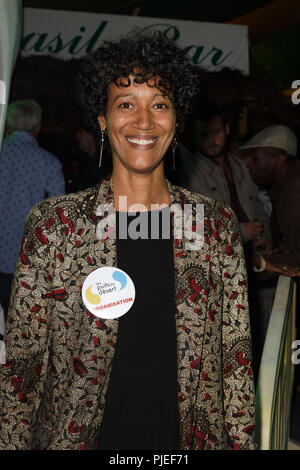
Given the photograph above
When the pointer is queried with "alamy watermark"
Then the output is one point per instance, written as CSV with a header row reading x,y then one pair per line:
x,y
188,222
2,92
296,354
296,94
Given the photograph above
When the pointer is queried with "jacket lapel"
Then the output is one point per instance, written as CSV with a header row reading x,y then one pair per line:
x,y
191,294
96,253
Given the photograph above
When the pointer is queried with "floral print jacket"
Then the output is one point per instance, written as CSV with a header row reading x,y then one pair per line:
x,y
59,356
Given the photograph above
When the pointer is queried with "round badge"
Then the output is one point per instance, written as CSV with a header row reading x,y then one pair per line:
x,y
108,292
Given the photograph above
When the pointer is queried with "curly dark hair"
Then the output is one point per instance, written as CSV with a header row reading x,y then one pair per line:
x,y
153,59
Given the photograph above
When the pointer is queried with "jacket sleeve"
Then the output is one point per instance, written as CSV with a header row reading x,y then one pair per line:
x,y
238,385
23,374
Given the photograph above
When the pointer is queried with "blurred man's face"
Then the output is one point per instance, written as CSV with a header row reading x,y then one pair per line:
x,y
211,137
262,166
86,142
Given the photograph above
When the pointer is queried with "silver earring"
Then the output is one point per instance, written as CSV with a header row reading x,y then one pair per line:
x,y
101,148
174,146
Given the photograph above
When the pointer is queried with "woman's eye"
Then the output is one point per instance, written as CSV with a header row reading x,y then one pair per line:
x,y
161,106
125,105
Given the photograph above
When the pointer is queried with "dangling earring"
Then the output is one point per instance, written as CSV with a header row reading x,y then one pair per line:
x,y
101,148
174,146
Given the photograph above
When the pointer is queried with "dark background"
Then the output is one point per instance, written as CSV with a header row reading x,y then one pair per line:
x,y
253,102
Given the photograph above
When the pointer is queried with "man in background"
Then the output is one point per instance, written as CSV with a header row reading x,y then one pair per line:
x,y
92,174
273,164
214,172
28,174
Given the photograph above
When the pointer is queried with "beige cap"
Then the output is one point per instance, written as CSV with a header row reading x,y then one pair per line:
x,y
277,136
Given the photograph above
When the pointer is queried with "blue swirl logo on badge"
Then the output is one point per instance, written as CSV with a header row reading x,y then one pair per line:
x,y
108,292
104,288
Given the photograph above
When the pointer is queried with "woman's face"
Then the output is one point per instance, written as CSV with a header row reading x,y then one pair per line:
x,y
140,123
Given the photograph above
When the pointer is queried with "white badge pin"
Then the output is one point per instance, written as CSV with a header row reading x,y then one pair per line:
x,y
108,292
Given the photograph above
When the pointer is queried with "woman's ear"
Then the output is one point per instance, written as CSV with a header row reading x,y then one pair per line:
x,y
102,123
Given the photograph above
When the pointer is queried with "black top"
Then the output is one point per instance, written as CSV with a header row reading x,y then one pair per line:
x,y
141,410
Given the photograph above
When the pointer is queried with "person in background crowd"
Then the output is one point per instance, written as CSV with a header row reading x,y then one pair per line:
x,y
93,174
273,164
28,174
86,142
235,144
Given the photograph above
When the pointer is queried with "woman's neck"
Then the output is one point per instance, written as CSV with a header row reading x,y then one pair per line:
x,y
143,189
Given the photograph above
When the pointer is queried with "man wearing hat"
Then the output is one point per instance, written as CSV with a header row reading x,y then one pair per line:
x,y
273,163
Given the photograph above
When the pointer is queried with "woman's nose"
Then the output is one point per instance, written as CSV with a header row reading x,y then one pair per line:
x,y
143,119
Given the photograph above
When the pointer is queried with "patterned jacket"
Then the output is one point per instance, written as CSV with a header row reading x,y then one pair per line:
x,y
59,356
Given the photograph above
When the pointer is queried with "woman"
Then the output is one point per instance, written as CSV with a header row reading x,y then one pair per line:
x,y
172,371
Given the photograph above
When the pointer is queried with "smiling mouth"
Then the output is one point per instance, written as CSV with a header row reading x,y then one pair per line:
x,y
141,141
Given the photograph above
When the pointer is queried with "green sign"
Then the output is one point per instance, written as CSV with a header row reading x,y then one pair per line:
x,y
39,43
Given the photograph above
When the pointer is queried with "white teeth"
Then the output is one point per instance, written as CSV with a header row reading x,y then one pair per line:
x,y
140,141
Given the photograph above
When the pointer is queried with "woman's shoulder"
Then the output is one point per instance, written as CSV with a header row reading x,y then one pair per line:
x,y
72,201
212,207
60,211
193,197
